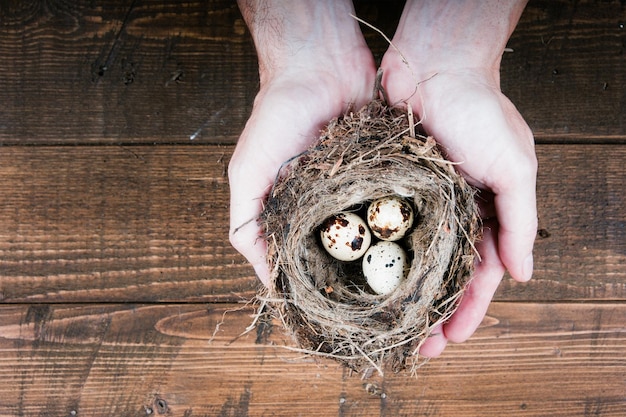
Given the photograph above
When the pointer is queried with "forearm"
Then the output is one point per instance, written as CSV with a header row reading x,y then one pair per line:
x,y
457,33
288,33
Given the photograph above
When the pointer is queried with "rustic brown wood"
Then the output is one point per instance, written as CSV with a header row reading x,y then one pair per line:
x,y
124,71
151,223
567,70
146,223
150,71
120,294
580,249
527,359
117,223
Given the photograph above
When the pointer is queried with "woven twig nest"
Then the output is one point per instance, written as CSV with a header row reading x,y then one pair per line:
x,y
323,302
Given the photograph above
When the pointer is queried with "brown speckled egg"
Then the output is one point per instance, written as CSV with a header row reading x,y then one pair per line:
x,y
390,218
345,236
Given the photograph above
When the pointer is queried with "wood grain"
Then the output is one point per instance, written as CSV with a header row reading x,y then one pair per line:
x,y
567,71
117,223
150,71
120,294
124,71
580,249
144,224
528,359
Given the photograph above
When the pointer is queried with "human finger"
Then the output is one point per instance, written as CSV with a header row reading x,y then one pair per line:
x,y
434,344
516,209
245,234
477,296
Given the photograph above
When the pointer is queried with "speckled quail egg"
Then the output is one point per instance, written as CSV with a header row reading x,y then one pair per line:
x,y
389,218
385,266
345,236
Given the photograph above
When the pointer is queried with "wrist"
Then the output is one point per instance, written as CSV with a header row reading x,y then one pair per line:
x,y
450,35
303,37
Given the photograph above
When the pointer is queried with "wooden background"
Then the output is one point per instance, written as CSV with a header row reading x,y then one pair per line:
x,y
121,296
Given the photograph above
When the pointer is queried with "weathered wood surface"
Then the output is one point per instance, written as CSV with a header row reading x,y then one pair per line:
x,y
568,70
146,223
150,71
115,268
529,359
116,223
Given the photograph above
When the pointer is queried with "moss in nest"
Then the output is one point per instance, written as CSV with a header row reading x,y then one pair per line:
x,y
358,158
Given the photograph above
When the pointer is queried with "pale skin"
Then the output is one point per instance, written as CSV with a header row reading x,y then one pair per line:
x,y
314,63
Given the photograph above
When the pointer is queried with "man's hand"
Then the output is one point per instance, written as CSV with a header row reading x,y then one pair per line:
x,y
448,70
314,64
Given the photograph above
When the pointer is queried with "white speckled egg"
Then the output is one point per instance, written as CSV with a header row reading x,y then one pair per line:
x,y
345,236
389,218
385,266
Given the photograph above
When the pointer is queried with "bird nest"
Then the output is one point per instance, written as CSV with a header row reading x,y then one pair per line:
x,y
324,303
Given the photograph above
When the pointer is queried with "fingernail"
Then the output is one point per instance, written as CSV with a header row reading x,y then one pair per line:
x,y
527,268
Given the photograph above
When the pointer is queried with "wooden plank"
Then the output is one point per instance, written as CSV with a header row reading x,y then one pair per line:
x,y
124,71
144,224
140,72
567,71
115,223
580,249
190,360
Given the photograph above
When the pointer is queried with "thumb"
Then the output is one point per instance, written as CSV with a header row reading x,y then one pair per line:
x,y
245,235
